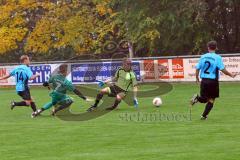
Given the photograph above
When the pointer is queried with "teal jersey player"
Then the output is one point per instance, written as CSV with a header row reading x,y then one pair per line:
x,y
60,85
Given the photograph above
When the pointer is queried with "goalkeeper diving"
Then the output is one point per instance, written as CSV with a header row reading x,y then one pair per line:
x,y
60,86
124,80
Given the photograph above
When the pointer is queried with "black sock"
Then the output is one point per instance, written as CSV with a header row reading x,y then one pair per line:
x,y
96,103
62,107
98,98
23,103
208,108
116,103
33,106
202,99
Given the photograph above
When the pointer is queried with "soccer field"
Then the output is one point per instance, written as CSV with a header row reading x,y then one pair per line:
x,y
112,136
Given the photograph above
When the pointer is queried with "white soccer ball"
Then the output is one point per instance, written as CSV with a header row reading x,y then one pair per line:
x,y
157,101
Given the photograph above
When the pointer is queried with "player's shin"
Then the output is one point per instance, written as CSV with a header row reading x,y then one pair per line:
x,y
116,103
62,107
98,98
23,103
47,106
14,104
207,110
33,106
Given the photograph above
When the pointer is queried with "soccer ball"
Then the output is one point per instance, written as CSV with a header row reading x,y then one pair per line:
x,y
157,101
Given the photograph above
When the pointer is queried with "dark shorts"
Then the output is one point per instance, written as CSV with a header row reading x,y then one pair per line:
x,y
209,88
25,94
115,90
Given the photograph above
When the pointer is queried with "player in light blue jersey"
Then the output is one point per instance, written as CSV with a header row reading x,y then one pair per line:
x,y
208,67
22,75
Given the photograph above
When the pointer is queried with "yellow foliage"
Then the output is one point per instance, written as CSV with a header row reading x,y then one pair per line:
x,y
152,35
61,25
26,2
9,38
40,39
103,9
5,12
77,33
17,22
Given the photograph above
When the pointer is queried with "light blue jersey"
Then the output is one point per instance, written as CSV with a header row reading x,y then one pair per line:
x,y
22,74
209,65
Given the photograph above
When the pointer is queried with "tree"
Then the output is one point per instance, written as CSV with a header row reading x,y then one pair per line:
x,y
154,28
40,27
172,27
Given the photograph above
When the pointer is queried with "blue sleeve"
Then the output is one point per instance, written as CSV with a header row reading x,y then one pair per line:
x,y
220,64
199,65
29,73
13,72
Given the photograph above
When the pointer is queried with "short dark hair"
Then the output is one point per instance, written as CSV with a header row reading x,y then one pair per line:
x,y
63,68
212,45
23,58
127,60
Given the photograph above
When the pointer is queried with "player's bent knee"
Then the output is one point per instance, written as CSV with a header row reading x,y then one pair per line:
x,y
211,100
104,91
119,98
28,102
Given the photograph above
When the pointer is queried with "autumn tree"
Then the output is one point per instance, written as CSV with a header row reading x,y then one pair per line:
x,y
58,29
178,27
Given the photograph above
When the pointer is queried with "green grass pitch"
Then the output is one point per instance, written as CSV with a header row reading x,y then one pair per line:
x,y
110,137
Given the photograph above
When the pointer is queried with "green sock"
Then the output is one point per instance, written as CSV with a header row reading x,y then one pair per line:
x,y
47,106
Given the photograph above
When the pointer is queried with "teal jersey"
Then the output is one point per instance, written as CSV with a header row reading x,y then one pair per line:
x,y
60,84
22,74
209,65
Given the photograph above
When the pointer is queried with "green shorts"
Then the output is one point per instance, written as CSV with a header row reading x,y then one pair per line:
x,y
59,98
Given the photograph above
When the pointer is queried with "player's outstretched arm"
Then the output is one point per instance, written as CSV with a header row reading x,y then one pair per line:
x,y
77,92
108,81
34,76
5,77
46,84
228,73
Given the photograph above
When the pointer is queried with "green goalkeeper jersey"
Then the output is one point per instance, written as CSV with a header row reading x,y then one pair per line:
x,y
60,84
125,80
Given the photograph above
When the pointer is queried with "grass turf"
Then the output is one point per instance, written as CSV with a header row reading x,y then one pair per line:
x,y
111,137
